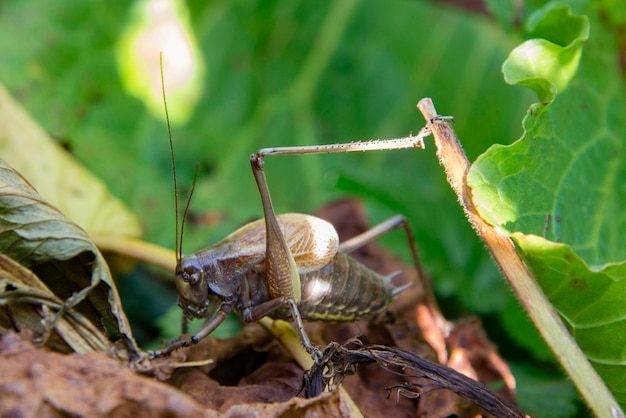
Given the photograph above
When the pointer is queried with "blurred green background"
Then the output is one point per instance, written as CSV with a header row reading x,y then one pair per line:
x,y
242,75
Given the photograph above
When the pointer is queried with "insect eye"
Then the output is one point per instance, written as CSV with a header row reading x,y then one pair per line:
x,y
192,276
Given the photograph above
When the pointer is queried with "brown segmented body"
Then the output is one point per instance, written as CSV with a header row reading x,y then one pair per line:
x,y
343,290
334,286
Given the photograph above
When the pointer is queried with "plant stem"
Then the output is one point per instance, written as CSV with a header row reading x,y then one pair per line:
x,y
541,312
285,333
138,250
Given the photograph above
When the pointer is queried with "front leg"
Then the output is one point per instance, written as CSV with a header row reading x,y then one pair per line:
x,y
217,318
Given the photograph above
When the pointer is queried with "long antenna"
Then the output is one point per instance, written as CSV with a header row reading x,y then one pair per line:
x,y
169,133
182,226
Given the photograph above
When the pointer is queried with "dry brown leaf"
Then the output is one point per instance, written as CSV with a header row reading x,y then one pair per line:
x,y
39,383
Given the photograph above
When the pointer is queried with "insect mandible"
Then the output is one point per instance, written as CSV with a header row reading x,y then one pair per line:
x,y
287,266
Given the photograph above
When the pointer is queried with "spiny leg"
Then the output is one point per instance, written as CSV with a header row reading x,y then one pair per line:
x,y
254,313
282,272
394,222
373,233
428,309
283,279
208,327
411,141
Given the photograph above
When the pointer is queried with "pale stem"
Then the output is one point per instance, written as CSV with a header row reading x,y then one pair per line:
x,y
138,250
541,312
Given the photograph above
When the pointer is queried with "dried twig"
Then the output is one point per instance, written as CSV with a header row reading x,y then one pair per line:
x,y
421,375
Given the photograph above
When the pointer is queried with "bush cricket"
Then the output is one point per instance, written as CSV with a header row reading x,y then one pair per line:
x,y
287,266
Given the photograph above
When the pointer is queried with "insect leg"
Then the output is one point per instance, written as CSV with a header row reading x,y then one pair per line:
x,y
184,325
428,294
371,234
411,141
217,318
254,313
283,279
295,313
257,312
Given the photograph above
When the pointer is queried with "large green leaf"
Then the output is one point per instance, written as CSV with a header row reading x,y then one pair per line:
x,y
559,189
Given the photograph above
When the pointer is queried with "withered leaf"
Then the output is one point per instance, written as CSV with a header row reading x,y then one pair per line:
x,y
37,235
29,304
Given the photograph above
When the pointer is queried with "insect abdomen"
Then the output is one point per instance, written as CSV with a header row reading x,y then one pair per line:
x,y
343,290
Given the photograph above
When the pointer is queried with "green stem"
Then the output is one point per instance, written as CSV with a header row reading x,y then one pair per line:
x,y
537,306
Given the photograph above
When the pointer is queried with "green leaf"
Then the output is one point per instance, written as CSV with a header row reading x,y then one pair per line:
x,y
547,64
504,10
541,395
593,301
615,11
558,191
37,236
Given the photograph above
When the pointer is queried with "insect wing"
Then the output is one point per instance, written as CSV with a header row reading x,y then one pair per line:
x,y
313,242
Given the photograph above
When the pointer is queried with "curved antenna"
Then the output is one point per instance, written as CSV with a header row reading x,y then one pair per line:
x,y
182,226
169,133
